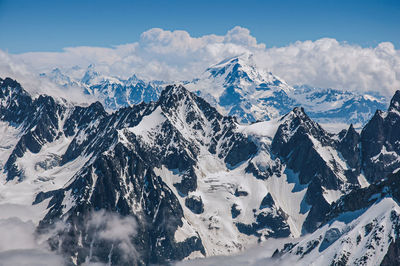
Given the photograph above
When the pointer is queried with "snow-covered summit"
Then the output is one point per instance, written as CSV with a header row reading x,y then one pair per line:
x,y
236,86
242,89
114,92
196,182
242,69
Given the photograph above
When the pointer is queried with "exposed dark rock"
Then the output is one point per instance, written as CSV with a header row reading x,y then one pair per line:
x,y
267,202
120,175
380,142
195,204
240,193
276,222
235,211
349,147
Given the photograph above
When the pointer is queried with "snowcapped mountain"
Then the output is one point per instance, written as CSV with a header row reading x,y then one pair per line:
x,y
113,92
191,181
333,106
59,78
236,87
240,89
362,228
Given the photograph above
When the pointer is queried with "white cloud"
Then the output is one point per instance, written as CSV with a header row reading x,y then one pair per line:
x,y
329,63
14,66
29,257
117,229
257,255
19,244
175,55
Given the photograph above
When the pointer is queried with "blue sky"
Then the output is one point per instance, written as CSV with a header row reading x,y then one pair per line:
x,y
51,25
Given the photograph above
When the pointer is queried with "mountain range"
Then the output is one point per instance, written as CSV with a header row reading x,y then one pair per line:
x,y
194,181
236,87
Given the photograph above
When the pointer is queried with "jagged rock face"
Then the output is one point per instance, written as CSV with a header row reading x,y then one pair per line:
x,y
380,140
294,138
119,173
361,228
237,87
311,153
195,204
242,90
349,147
124,93
267,215
15,102
43,124
38,120
196,182
121,182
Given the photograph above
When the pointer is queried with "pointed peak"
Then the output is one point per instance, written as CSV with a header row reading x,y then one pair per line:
x,y
97,105
351,128
175,89
351,132
395,102
90,74
298,117
233,63
133,80
244,59
12,83
10,87
299,112
133,77
172,94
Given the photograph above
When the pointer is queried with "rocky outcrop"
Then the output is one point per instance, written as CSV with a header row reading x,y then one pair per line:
x,y
380,140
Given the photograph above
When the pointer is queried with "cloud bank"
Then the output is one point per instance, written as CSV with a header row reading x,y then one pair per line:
x,y
20,246
175,55
14,66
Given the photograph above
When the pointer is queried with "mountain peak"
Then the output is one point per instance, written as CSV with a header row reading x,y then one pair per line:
x,y
9,82
242,70
10,86
242,59
297,112
174,90
395,102
233,68
90,74
172,94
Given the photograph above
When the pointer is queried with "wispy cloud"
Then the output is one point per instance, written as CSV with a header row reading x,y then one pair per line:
x,y
116,229
253,256
19,244
15,67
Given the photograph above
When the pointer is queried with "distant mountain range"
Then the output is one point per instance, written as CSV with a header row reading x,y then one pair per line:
x,y
236,87
195,181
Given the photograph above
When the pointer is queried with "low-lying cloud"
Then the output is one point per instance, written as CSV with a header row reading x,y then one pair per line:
x,y
116,229
258,255
175,55
20,246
